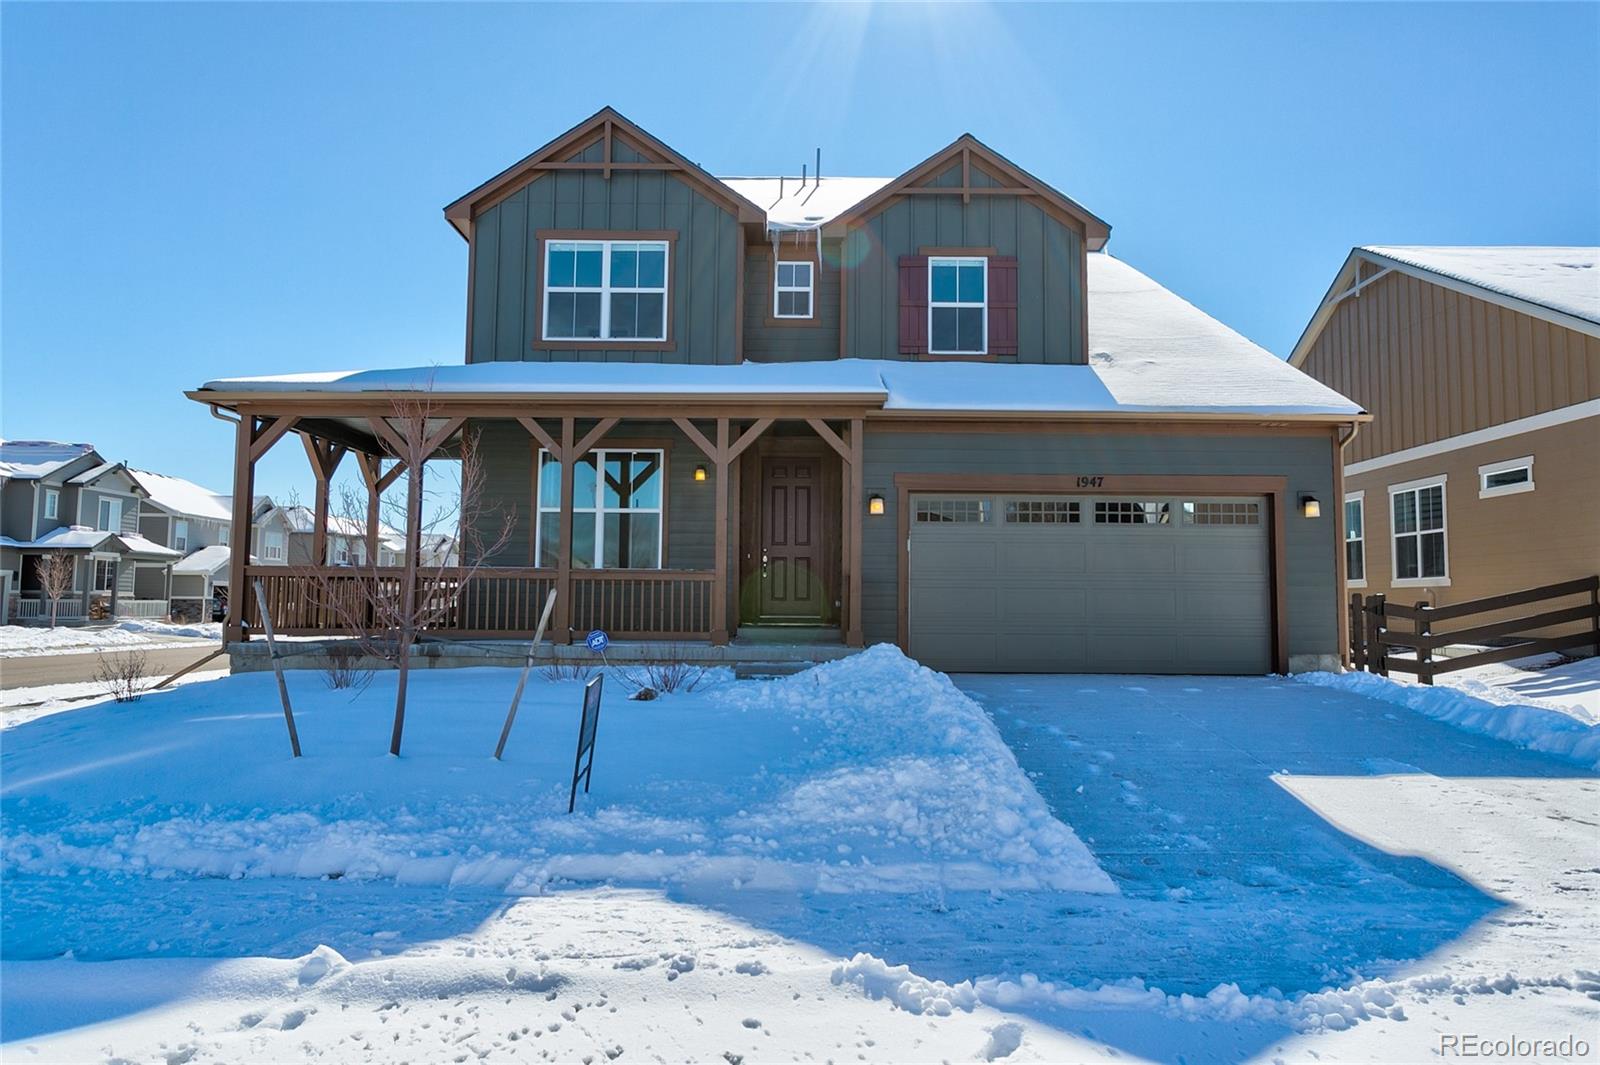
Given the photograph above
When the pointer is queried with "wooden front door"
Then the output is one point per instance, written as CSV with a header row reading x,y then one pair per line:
x,y
791,561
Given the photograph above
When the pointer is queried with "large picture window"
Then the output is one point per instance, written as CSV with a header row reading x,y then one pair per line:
x,y
105,575
958,309
617,514
1355,539
1419,536
605,290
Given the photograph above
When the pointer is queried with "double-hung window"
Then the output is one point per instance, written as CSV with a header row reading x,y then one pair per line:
x,y
1355,539
109,516
52,503
222,535
605,290
105,574
272,544
791,290
617,513
958,307
180,535
1417,509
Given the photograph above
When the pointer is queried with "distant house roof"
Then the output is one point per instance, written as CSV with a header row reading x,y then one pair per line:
x,y
178,496
206,560
1150,352
90,476
304,520
83,538
29,460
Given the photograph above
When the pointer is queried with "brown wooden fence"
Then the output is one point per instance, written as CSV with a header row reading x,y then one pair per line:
x,y
1378,627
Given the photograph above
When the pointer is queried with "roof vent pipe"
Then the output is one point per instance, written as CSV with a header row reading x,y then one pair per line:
x,y
802,175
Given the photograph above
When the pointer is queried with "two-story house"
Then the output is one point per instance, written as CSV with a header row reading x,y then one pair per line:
x,y
195,522
928,409
64,499
1480,474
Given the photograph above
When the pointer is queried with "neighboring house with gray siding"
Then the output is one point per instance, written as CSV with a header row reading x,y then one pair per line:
x,y
930,409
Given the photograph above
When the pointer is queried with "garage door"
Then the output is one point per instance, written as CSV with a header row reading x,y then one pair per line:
x,y
1114,584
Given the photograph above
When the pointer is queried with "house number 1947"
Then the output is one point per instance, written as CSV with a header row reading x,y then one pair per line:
x,y
1091,482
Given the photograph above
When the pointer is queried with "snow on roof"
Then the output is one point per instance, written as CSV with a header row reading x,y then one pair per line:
x,y
206,560
791,205
138,545
1562,279
27,460
304,520
90,476
1150,351
83,538
182,497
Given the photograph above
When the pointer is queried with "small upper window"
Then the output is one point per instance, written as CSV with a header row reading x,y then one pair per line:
x,y
791,292
52,502
605,290
180,535
1505,478
222,535
108,518
958,308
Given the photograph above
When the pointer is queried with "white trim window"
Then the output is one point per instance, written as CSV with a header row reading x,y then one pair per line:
x,y
1355,539
109,516
958,306
180,535
105,575
605,290
792,288
52,503
1417,519
618,509
1508,478
272,545
224,532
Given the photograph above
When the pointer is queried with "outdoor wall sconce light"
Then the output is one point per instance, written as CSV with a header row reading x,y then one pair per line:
x,y
1310,506
874,504
700,472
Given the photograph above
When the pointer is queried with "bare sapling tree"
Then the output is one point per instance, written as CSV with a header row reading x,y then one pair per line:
x,y
56,571
386,609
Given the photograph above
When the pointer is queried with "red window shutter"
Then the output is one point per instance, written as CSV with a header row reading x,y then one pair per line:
x,y
913,304
1003,305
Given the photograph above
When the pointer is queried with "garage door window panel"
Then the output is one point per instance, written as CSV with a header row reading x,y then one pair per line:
x,y
1221,513
1042,511
1131,512
952,511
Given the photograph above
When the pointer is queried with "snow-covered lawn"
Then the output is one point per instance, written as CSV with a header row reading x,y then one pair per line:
x,y
20,640
847,864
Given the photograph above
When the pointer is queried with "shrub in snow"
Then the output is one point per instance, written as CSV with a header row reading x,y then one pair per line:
x,y
122,676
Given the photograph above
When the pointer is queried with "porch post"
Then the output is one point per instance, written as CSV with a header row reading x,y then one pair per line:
x,y
719,602
325,457
564,613
244,484
853,635
371,466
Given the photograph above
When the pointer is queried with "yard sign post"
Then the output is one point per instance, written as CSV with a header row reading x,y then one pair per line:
x,y
586,730
277,667
522,682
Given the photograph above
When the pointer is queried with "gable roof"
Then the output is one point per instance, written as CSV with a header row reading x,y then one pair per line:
x,y
29,460
1557,284
965,149
206,560
793,204
178,496
605,126
106,469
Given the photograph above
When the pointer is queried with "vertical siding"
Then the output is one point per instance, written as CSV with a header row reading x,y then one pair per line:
x,y
1050,283
1307,462
505,249
787,343
1432,363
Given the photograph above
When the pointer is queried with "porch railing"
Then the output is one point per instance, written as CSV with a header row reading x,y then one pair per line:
x,y
141,608
22,607
492,602
1376,630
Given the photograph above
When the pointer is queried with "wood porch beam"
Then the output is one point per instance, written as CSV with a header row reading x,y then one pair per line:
x,y
749,436
445,432
371,473
853,635
698,438
270,434
719,602
325,457
594,436
386,434
564,613
244,470
548,442
822,429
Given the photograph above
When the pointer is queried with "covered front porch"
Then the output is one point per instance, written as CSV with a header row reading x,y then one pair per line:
x,y
656,516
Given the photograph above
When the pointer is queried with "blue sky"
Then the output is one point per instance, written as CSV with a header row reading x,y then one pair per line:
x,y
196,191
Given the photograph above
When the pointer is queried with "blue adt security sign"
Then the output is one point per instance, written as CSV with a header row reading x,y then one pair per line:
x,y
598,641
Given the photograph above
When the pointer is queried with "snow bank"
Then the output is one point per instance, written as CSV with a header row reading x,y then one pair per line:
x,y
868,774
211,630
1489,710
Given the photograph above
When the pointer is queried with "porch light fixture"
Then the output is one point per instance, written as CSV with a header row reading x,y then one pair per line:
x,y
874,504
700,472
1310,507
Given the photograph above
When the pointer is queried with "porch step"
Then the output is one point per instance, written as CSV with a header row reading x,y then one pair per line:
x,y
768,670
789,634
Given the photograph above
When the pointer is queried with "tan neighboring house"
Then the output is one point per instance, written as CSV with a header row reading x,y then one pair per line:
x,y
1480,473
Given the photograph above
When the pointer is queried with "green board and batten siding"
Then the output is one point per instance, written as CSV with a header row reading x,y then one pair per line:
x,y
1049,259
1307,462
810,341
704,273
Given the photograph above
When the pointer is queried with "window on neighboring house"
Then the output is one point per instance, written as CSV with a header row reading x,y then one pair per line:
x,y
605,290
1355,539
222,535
341,551
791,291
109,516
52,503
272,544
1505,478
105,574
180,535
958,312
616,510
1419,539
